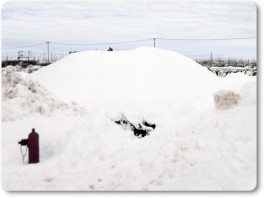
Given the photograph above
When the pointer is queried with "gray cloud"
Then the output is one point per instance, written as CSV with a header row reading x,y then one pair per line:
x,y
94,22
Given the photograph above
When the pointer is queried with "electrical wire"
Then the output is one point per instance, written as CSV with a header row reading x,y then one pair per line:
x,y
25,46
134,41
204,39
111,43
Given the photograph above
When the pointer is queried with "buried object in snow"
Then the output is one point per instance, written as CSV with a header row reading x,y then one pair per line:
x,y
141,130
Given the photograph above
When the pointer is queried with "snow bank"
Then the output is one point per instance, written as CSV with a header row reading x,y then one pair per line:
x,y
22,97
28,69
140,75
140,80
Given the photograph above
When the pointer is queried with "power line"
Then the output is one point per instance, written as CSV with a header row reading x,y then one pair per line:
x,y
148,39
111,43
25,46
134,41
204,39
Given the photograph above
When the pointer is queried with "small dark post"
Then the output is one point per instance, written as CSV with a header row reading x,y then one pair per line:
x,y
33,147
154,39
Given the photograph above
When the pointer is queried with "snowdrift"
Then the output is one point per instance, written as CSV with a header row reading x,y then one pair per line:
x,y
143,74
193,146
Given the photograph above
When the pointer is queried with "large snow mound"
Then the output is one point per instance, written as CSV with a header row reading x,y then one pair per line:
x,y
142,74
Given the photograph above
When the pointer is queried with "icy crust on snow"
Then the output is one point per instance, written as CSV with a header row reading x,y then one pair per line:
x,y
22,97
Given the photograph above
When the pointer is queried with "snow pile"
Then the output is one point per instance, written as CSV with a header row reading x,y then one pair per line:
x,y
28,69
22,97
140,75
248,93
192,147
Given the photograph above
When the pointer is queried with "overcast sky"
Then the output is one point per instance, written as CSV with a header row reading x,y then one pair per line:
x,y
27,23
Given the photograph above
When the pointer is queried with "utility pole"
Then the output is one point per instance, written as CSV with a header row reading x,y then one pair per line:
x,y
28,55
48,42
19,55
211,58
154,39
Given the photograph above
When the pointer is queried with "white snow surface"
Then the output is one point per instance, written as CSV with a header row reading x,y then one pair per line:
x,y
194,146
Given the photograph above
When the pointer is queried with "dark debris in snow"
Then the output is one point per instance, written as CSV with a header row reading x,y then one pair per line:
x,y
141,129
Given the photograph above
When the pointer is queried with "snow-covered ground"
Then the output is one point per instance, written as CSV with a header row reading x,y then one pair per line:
x,y
194,146
224,71
28,69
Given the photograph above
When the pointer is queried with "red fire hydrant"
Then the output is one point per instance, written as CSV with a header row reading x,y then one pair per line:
x,y
32,144
33,147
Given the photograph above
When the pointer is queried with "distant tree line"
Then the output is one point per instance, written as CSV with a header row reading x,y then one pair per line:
x,y
227,63
223,67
